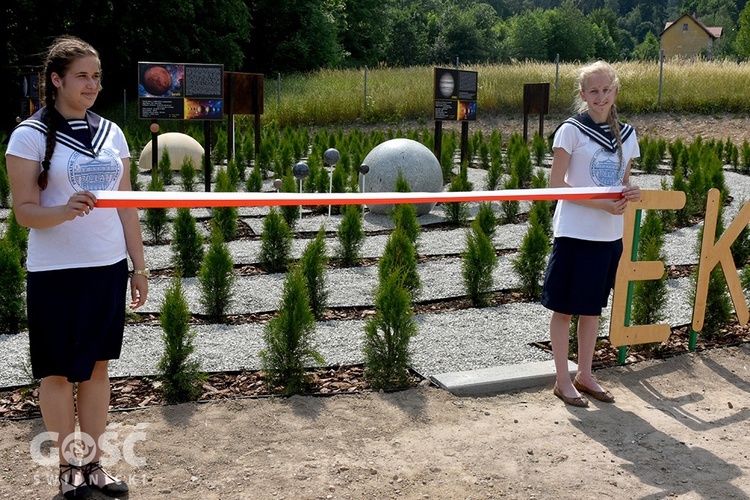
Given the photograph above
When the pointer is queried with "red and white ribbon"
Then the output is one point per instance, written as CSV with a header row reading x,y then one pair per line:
x,y
180,199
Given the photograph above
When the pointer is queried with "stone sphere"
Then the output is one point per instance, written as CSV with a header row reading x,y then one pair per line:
x,y
178,145
417,164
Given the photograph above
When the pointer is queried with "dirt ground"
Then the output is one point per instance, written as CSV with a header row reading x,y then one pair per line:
x,y
680,428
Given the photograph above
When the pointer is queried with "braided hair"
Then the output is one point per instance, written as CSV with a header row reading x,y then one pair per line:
x,y
613,120
60,55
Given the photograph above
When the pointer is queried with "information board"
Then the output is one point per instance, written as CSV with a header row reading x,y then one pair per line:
x,y
175,91
455,95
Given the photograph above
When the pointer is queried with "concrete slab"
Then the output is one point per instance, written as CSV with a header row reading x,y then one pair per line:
x,y
500,378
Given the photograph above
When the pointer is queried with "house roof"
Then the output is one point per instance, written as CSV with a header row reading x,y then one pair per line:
x,y
713,32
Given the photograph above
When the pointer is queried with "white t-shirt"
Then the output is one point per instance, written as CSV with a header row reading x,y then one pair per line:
x,y
96,239
591,165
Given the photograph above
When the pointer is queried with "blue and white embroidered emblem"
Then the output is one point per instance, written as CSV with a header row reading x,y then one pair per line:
x,y
100,173
605,168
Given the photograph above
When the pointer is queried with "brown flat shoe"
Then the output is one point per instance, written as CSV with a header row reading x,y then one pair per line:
x,y
580,401
604,396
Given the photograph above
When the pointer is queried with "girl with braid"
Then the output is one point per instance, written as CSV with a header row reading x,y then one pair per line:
x,y
77,257
592,148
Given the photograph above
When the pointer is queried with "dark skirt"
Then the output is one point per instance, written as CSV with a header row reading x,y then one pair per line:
x,y
76,318
580,275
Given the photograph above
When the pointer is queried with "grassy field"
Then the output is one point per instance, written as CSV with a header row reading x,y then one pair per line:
x,y
393,94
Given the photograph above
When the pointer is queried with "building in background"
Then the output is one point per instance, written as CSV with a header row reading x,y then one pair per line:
x,y
688,37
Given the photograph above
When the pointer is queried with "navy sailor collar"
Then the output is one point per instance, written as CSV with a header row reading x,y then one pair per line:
x,y
98,128
601,134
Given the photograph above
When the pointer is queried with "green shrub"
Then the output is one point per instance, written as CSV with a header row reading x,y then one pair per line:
x,y
458,212
248,148
216,278
718,303
165,168
541,215
399,257
276,243
17,235
650,296
350,236
740,248
290,213
187,174
404,215
288,338
479,261
539,146
486,219
650,155
675,150
683,216
4,184
668,217
745,163
529,265
187,244
313,265
521,165
448,149
254,181
510,209
225,218
12,288
180,374
156,219
387,335
494,174
219,151
233,171
135,185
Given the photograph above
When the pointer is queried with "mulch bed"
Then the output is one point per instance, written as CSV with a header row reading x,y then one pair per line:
x,y
131,393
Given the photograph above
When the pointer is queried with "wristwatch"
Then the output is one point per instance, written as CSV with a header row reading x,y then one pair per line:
x,y
143,272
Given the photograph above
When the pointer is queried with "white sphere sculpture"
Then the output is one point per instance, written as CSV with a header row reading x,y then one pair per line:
x,y
178,145
417,165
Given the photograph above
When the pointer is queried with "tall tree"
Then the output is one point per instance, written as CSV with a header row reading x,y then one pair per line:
x,y
295,35
363,36
570,34
527,36
742,42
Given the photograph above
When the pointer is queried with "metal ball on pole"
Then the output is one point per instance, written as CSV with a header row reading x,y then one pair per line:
x,y
300,171
363,170
331,157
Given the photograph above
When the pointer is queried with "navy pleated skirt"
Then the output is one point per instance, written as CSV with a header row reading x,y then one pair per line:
x,y
580,275
76,318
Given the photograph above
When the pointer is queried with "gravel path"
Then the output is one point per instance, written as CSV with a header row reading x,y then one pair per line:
x,y
447,341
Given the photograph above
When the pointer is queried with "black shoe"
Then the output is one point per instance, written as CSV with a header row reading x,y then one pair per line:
x,y
116,488
68,488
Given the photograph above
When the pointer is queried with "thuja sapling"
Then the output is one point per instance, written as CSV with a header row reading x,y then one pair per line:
x,y
288,338
180,374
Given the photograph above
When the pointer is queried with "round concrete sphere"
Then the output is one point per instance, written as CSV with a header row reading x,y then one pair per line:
x,y
178,145
417,164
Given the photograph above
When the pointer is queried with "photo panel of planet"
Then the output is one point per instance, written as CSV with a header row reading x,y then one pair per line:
x,y
447,84
161,80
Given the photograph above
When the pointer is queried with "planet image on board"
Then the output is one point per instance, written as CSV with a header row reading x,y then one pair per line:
x,y
157,80
447,84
